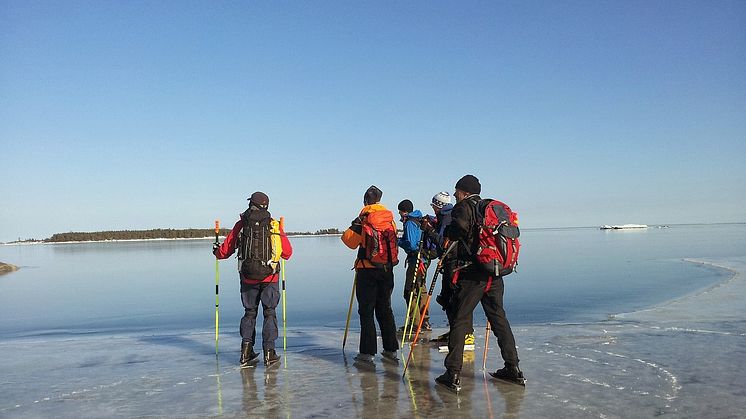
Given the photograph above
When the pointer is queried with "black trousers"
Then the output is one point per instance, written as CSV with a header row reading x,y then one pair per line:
x,y
251,295
374,288
466,296
445,298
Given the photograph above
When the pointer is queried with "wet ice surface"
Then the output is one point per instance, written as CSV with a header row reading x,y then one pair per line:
x,y
681,359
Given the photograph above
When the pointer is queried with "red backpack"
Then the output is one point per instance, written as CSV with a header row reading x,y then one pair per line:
x,y
379,239
497,243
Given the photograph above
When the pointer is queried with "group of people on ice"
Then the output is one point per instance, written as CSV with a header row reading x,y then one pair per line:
x,y
475,242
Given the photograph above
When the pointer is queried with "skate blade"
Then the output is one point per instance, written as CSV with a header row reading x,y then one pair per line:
x,y
452,389
272,366
251,364
444,348
520,382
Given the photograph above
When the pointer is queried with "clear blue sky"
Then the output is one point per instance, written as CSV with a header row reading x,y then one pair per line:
x,y
135,115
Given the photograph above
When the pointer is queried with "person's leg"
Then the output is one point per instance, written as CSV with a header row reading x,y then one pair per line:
x,y
467,296
410,288
383,311
366,302
247,327
270,297
422,278
250,301
492,303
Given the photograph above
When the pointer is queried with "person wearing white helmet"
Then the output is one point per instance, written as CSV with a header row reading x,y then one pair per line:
x,y
435,228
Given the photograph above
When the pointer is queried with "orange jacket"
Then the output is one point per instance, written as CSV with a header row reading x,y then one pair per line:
x,y
380,220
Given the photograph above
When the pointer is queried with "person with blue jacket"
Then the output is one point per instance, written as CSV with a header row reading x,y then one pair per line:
x,y
410,241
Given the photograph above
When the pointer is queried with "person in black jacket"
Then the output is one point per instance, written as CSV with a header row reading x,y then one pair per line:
x,y
475,285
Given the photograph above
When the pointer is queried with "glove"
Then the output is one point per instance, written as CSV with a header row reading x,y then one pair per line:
x,y
215,247
356,225
421,269
425,225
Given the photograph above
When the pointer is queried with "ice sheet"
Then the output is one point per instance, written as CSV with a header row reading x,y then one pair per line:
x,y
683,358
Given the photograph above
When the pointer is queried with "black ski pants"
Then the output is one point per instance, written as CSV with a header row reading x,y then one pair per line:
x,y
374,288
467,295
251,295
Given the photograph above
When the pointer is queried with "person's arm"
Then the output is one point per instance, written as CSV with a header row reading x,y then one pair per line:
x,y
287,248
226,249
353,236
460,223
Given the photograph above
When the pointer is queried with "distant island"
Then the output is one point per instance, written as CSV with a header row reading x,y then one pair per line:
x,y
159,233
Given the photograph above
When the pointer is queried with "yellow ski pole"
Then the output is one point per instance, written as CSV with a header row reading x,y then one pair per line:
x,y
411,294
427,304
217,288
349,311
284,317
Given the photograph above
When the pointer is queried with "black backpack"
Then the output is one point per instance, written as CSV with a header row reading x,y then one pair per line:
x,y
255,245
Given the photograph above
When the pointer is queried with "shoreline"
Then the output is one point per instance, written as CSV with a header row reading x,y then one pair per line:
x,y
651,227
729,274
148,240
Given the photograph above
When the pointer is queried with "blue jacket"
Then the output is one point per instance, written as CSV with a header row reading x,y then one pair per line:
x,y
410,239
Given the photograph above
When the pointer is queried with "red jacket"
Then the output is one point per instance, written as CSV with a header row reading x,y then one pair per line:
x,y
231,241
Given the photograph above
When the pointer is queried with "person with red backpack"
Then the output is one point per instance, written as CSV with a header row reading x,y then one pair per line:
x,y
261,243
373,234
479,279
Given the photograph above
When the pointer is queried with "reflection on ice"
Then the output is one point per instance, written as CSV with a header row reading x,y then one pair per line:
x,y
683,358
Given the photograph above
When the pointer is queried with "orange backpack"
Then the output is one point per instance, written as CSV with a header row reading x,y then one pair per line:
x,y
379,239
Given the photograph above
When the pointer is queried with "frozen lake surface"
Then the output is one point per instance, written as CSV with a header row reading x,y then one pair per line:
x,y
678,358
681,359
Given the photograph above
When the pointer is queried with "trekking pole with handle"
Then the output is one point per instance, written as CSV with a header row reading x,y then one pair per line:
x,y
449,247
349,311
411,293
486,345
217,288
418,299
284,317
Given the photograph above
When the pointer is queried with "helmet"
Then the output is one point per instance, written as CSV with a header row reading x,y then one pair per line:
x,y
441,199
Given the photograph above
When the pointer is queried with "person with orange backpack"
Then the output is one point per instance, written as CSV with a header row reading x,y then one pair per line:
x,y
487,235
373,234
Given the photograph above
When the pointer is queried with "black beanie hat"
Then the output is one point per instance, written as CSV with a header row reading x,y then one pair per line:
x,y
259,199
406,206
372,195
470,184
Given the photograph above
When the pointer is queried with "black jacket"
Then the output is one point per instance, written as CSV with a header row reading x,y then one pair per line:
x,y
463,229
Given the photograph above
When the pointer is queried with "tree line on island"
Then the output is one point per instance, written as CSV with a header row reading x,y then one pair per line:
x,y
158,233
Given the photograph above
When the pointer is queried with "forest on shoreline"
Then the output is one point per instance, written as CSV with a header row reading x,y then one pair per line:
x,y
158,233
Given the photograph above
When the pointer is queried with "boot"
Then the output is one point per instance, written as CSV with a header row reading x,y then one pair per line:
x,y
390,356
365,359
511,374
248,356
270,357
426,325
450,379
